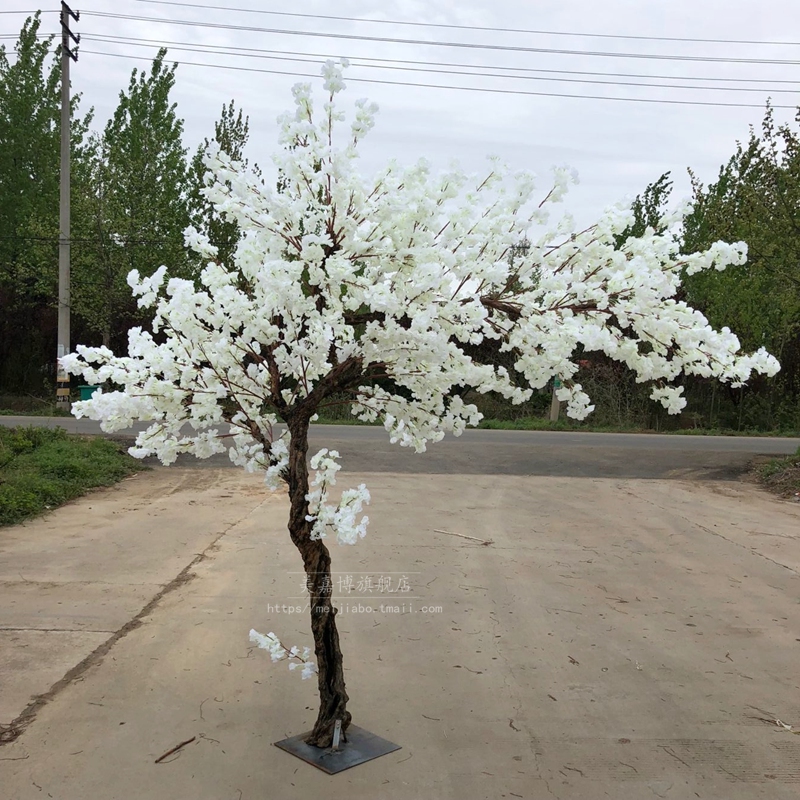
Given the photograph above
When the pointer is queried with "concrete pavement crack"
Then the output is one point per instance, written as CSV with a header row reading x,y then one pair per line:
x,y
55,630
715,533
745,547
57,584
549,790
12,731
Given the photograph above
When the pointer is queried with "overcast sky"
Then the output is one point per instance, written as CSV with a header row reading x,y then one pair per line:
x,y
617,147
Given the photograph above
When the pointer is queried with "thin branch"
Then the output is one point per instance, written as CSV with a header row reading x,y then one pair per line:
x,y
174,749
483,542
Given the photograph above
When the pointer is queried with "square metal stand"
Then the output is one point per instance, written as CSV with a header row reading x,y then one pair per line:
x,y
361,746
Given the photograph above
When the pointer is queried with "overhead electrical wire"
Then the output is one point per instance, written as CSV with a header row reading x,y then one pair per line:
x,y
241,51
446,68
430,43
236,50
400,65
450,26
450,87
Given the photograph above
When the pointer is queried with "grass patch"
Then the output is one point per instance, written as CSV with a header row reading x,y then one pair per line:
x,y
345,421
566,424
38,411
788,434
43,468
543,424
781,475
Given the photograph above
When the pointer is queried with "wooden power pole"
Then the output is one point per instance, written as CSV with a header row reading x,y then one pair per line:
x,y
67,55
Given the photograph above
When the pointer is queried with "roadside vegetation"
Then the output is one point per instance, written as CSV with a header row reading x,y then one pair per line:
x,y
29,406
541,424
781,475
41,469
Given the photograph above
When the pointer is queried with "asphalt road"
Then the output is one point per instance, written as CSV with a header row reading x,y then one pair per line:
x,y
481,452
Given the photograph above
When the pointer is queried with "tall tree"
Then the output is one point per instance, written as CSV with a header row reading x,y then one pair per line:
x,y
648,209
756,199
341,281
100,295
231,132
137,201
29,182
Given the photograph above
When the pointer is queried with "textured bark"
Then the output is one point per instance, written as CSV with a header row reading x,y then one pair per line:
x,y
317,563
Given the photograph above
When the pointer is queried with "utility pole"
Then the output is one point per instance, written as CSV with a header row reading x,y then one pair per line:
x,y
67,55
555,405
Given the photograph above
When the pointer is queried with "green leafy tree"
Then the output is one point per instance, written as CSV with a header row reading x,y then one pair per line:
x,y
136,201
648,209
30,129
231,132
756,199
99,260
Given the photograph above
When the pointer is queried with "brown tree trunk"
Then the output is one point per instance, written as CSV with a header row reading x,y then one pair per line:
x,y
317,563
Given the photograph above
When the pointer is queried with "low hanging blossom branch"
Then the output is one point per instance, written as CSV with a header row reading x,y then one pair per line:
x,y
278,652
402,291
341,518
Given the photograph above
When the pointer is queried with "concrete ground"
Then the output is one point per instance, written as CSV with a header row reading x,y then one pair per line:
x,y
619,637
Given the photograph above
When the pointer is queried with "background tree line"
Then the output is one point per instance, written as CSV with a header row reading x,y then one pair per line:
x,y
135,188
755,199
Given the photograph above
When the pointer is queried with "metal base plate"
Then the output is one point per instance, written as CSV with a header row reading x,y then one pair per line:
x,y
361,746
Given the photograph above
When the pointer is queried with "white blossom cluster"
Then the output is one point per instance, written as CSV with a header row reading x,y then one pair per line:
x,y
394,278
341,518
278,652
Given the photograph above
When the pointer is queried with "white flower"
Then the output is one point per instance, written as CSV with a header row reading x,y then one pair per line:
x,y
342,517
271,643
309,670
669,397
278,652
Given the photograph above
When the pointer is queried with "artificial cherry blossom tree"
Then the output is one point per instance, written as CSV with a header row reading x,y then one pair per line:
x,y
384,290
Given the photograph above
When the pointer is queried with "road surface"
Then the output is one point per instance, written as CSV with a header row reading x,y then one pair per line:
x,y
486,452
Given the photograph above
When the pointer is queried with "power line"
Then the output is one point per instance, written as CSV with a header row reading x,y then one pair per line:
x,y
452,88
464,27
404,68
236,50
54,240
429,43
